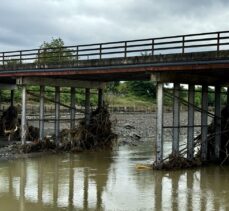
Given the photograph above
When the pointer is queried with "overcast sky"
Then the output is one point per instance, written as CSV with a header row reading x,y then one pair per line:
x,y
27,23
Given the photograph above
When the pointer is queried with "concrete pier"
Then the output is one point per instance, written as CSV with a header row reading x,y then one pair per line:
x,y
41,119
217,121
176,119
159,143
87,106
100,98
204,122
57,113
190,133
23,116
73,108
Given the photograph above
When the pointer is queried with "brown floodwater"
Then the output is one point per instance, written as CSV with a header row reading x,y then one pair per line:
x,y
108,180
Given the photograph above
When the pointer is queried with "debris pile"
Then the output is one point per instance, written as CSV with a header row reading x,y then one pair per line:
x,y
38,146
97,134
9,123
224,145
178,162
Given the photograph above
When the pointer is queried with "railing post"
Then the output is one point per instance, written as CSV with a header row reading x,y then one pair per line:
x,y
3,59
44,57
59,55
38,58
20,57
218,41
125,49
77,55
183,44
152,47
100,51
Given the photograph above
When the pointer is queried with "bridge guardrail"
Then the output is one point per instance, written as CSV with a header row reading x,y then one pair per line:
x,y
46,57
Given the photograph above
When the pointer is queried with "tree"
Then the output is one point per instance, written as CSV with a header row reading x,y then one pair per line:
x,y
54,53
145,89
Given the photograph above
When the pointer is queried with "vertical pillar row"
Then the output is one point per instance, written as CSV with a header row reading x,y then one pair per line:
x,y
159,143
57,113
204,122
23,116
41,121
190,138
217,121
87,106
176,119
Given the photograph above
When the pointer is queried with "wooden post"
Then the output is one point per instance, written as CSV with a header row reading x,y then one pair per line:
x,y
190,139
41,121
87,106
176,119
57,113
100,98
73,106
217,121
23,116
204,122
159,144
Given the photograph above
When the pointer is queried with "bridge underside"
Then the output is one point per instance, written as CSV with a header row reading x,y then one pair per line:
x,y
202,67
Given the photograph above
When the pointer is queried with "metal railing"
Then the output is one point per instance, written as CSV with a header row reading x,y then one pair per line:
x,y
71,55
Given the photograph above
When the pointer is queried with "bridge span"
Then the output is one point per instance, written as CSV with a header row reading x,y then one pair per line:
x,y
193,59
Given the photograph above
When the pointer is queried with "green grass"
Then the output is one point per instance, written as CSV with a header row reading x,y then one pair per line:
x,y
128,101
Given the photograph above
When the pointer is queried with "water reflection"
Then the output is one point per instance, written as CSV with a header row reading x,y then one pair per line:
x,y
108,181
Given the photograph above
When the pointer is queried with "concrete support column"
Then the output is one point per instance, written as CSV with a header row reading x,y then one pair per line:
x,y
217,121
204,122
23,116
57,113
176,119
100,98
73,106
190,138
87,106
159,143
41,121
12,97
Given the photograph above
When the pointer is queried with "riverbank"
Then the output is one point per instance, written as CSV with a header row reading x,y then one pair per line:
x,y
131,129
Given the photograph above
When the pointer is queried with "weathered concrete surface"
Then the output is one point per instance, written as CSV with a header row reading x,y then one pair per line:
x,y
215,64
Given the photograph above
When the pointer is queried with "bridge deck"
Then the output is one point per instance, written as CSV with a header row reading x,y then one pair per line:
x,y
200,57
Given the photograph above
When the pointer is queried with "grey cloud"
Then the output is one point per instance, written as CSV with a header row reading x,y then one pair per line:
x,y
27,23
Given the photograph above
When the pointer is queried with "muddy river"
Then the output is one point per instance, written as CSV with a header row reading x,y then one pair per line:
x,y
109,180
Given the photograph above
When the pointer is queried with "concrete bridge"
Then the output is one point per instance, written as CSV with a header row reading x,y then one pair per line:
x,y
193,59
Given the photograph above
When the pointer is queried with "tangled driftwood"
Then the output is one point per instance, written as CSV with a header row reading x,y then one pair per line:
x,y
9,122
97,135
